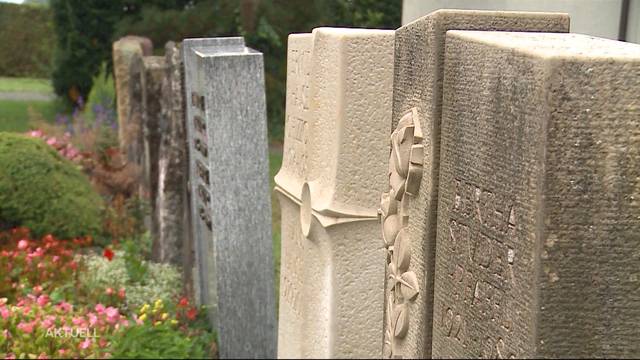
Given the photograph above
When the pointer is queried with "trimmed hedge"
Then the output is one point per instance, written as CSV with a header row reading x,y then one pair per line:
x,y
26,40
43,191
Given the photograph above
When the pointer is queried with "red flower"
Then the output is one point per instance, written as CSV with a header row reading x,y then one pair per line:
x,y
108,254
192,313
184,302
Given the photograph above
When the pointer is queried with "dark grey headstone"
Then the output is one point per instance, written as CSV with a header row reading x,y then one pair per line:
x,y
538,237
229,176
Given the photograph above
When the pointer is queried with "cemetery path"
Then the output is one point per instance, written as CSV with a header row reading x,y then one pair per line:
x,y
26,96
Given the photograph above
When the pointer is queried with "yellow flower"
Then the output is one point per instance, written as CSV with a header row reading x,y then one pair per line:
x,y
144,308
157,323
143,317
174,322
158,304
164,316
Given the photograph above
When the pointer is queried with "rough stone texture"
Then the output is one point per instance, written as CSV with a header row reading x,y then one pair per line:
x,y
153,75
226,114
132,138
538,213
172,203
124,50
339,85
419,51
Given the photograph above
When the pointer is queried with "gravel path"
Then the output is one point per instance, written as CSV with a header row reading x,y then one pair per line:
x,y
26,96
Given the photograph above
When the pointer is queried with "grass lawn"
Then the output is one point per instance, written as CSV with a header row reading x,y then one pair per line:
x,y
275,160
14,114
8,84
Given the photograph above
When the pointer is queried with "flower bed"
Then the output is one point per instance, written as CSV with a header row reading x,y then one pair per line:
x,y
50,308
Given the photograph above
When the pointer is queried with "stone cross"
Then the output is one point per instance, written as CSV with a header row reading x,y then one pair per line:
x,y
338,114
229,179
539,203
409,207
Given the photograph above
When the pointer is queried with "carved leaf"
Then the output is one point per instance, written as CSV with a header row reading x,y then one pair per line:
x,y
397,185
390,229
402,251
401,320
393,276
409,285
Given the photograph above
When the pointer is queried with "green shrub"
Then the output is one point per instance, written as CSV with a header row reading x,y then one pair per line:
x,y
159,342
44,192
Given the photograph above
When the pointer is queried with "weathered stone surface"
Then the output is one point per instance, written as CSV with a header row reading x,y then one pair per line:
x,y
419,51
227,128
153,75
538,211
172,202
339,85
124,51
132,140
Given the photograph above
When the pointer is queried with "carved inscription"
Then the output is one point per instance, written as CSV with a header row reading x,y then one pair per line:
x,y
204,195
481,230
291,283
205,217
197,101
201,146
200,125
203,172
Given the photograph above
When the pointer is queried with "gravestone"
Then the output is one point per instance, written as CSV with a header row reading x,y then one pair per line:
x,y
154,69
409,208
338,110
539,202
132,139
227,132
172,203
124,50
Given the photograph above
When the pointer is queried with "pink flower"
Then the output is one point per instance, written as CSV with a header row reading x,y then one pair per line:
x,y
26,327
65,307
23,244
52,141
78,321
121,293
35,133
10,356
93,319
85,344
37,289
99,308
112,315
109,291
43,300
6,334
62,351
43,356
4,312
47,323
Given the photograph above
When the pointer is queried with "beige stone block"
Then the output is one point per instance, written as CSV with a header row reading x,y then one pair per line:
x,y
339,84
539,211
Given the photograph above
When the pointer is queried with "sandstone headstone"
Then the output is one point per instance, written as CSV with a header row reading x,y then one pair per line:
x,y
172,203
124,51
339,84
417,98
539,204
227,130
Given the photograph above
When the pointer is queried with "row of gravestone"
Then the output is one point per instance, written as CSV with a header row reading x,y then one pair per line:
x,y
465,186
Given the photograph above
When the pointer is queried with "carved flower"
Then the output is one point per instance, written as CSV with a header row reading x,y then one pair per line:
x,y
405,174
